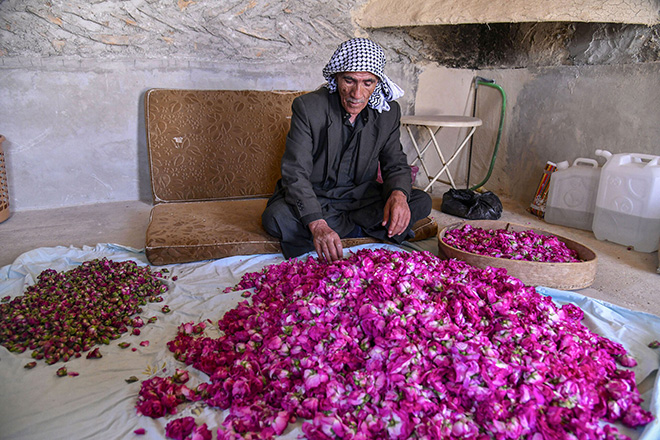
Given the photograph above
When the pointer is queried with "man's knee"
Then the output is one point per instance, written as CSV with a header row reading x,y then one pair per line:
x,y
272,217
279,220
420,204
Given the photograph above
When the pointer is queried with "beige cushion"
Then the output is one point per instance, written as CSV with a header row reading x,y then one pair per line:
x,y
215,144
193,231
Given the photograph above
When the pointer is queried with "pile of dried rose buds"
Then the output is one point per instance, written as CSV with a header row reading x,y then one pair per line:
x,y
65,314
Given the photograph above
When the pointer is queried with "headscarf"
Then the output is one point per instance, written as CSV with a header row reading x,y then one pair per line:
x,y
363,55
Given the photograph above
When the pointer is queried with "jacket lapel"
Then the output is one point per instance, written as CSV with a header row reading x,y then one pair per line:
x,y
334,131
366,147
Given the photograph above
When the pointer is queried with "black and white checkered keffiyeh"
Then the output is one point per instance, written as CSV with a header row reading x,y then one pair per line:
x,y
363,55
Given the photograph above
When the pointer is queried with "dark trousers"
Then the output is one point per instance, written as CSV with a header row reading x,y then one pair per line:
x,y
280,220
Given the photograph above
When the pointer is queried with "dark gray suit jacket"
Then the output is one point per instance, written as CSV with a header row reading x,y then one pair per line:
x,y
315,140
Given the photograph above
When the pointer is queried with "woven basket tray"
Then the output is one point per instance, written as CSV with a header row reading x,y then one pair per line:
x,y
567,276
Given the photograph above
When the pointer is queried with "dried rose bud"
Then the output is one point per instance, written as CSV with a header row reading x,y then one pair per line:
x,y
131,379
6,298
30,365
94,354
61,372
144,343
166,309
72,373
654,344
139,431
136,331
152,320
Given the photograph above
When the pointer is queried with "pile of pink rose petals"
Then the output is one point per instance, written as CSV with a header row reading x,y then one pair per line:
x,y
515,245
397,345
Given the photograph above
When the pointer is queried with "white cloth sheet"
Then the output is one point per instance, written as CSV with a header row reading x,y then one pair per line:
x,y
99,404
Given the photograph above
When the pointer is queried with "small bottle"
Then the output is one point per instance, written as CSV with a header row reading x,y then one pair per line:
x,y
541,196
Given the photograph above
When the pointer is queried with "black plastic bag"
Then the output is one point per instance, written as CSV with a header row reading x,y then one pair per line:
x,y
468,204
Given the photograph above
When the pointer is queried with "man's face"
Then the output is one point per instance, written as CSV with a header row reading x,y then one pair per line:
x,y
355,89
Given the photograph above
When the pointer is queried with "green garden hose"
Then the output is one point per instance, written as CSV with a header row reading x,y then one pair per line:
x,y
490,83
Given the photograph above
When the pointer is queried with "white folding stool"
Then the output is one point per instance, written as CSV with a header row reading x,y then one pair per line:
x,y
438,122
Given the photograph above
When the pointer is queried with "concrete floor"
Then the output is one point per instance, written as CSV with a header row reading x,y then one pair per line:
x,y
624,277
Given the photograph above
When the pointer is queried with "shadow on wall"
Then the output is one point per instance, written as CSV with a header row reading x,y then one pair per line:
x,y
519,45
144,174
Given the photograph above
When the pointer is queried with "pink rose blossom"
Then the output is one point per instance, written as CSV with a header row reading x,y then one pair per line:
x,y
180,376
179,429
201,432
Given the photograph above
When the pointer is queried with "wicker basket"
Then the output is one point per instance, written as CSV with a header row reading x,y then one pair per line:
x,y
4,188
567,276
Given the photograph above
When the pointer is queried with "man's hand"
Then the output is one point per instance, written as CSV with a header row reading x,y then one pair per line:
x,y
326,241
397,213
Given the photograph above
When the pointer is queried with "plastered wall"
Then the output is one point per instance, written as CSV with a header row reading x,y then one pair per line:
x,y
562,113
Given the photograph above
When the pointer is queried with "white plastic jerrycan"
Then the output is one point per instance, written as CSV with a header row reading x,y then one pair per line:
x,y
572,194
628,202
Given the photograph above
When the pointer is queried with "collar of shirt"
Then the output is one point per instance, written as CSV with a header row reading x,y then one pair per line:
x,y
345,117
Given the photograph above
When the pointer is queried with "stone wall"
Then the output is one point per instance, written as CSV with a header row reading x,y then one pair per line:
x,y
389,13
200,30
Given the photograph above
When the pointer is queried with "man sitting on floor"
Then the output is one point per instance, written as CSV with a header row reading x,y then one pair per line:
x,y
339,136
